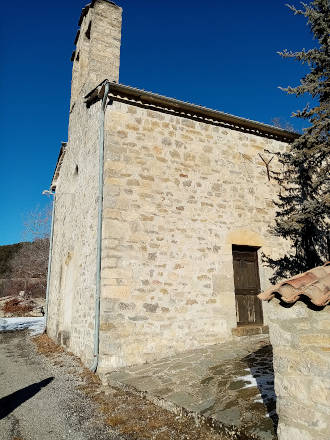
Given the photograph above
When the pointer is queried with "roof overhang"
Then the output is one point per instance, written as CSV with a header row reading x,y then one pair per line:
x,y
185,109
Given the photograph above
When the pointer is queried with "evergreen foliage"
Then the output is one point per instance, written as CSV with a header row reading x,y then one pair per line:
x,y
303,205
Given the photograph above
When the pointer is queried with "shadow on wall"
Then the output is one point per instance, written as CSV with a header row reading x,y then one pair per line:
x,y
260,363
303,298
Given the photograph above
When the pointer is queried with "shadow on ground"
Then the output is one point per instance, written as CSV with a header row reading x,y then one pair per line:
x,y
261,366
9,403
244,395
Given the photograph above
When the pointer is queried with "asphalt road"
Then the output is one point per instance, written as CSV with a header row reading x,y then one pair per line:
x,y
40,401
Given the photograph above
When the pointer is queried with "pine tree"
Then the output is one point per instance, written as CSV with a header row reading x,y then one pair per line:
x,y
302,210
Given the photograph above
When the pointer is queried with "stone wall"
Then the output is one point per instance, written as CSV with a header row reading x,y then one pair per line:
x,y
73,271
301,344
178,194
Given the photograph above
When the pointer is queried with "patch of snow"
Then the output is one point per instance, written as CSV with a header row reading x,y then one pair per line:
x,y
248,378
264,382
271,413
34,325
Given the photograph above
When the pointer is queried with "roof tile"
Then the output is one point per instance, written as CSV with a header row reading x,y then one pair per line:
x,y
315,284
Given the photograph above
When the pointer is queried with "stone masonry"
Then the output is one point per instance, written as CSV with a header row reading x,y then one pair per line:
x,y
180,189
300,336
72,283
178,194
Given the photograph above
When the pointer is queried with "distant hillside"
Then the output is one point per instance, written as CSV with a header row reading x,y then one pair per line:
x,y
7,252
23,267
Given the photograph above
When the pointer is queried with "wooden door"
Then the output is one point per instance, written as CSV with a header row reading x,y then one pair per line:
x,y
247,285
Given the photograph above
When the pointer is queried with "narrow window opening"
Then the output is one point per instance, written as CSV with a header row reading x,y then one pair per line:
x,y
77,57
76,170
88,32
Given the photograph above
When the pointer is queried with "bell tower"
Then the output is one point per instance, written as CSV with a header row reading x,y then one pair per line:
x,y
97,53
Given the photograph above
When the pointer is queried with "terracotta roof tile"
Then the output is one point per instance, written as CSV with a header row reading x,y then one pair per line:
x,y
315,284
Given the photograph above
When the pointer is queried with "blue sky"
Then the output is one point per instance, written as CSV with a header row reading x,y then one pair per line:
x,y
216,53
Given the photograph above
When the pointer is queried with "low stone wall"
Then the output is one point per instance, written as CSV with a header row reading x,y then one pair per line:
x,y
300,335
36,287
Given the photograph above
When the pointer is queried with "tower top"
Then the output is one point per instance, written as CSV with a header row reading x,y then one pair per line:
x,y
86,8
97,53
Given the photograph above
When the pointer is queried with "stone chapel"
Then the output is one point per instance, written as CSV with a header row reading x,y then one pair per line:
x,y
162,211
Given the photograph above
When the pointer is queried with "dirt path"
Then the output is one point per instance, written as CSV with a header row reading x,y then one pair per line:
x,y
47,394
40,401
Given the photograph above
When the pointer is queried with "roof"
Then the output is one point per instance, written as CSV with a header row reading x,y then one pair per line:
x,y
181,108
315,284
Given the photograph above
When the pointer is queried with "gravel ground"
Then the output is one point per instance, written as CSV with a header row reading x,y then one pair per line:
x,y
40,400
